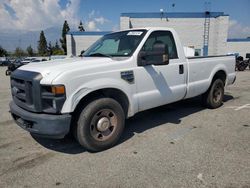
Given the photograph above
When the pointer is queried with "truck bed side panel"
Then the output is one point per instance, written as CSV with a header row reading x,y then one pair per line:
x,y
202,71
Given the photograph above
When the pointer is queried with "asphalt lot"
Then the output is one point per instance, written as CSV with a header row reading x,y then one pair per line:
x,y
178,145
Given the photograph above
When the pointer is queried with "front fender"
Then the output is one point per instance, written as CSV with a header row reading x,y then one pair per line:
x,y
73,99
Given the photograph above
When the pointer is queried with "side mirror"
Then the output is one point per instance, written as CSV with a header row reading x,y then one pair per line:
x,y
81,54
158,56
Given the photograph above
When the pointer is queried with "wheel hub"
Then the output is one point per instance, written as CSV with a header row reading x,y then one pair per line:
x,y
103,124
217,94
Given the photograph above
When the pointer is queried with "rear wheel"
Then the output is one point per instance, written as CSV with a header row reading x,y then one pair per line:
x,y
100,124
213,98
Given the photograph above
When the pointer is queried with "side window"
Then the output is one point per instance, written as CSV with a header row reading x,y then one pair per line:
x,y
164,37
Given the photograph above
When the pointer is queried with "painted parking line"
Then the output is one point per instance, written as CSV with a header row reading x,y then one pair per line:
x,y
237,108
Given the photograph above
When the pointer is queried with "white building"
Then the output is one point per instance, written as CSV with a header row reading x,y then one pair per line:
x,y
80,41
196,30
205,32
240,46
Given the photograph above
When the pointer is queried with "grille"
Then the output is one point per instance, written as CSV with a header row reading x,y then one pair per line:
x,y
22,90
25,89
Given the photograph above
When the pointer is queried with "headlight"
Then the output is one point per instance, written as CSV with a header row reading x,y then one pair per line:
x,y
53,98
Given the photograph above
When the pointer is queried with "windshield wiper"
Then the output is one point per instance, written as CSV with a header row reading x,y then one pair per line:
x,y
99,55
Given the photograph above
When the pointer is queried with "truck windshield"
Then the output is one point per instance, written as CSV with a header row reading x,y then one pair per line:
x,y
116,44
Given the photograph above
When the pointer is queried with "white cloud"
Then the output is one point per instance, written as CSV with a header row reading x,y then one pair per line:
x,y
101,20
32,15
237,30
36,15
91,25
95,20
92,14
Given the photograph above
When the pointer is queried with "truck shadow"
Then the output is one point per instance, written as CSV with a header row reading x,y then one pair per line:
x,y
172,113
66,145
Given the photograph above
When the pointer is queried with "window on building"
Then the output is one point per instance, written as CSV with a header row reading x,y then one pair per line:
x,y
197,52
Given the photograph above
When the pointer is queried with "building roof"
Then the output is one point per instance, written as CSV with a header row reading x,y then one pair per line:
x,y
239,40
93,33
172,14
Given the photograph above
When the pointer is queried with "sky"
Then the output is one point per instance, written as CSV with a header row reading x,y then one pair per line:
x,y
24,16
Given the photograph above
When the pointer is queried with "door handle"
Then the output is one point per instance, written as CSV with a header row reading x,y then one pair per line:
x,y
181,69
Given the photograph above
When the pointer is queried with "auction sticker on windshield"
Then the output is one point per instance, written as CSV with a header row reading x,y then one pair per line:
x,y
135,33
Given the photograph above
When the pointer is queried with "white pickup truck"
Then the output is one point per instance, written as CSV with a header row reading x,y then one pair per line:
x,y
121,74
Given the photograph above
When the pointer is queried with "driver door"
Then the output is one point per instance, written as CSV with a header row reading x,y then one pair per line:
x,y
161,84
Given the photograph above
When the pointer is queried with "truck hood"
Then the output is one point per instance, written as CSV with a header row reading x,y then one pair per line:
x,y
62,65
52,69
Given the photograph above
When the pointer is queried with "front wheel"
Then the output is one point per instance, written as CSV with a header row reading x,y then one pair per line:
x,y
213,98
100,124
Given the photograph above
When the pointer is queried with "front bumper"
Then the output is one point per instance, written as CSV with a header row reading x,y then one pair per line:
x,y
46,125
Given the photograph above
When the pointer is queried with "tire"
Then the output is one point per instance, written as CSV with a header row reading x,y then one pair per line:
x,y
100,124
213,98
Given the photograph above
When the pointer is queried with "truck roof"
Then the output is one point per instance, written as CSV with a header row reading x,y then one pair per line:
x,y
149,28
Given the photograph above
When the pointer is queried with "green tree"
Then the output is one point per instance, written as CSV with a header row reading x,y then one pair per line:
x,y
65,30
55,50
50,49
58,52
19,52
57,47
80,27
30,51
3,52
42,45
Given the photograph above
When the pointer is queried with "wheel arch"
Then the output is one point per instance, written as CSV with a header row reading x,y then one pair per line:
x,y
220,74
109,92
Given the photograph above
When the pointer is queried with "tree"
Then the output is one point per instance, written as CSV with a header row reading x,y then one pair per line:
x,y
57,47
80,27
30,51
55,50
42,45
50,49
65,30
3,52
19,52
58,52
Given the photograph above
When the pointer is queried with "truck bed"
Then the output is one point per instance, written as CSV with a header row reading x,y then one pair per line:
x,y
202,68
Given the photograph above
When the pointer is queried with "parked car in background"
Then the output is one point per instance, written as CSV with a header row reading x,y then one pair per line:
x,y
19,62
5,63
13,66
